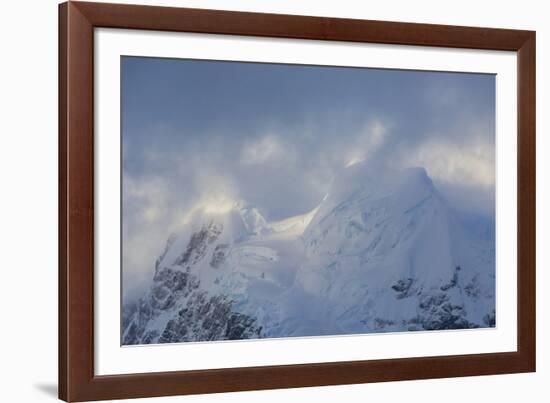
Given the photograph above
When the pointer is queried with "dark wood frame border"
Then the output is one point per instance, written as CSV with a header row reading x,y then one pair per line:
x,y
77,381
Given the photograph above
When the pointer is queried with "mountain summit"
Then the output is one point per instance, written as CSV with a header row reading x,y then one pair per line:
x,y
382,252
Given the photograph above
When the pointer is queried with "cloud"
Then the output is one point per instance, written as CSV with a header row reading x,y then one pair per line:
x,y
145,225
266,149
207,136
368,141
470,164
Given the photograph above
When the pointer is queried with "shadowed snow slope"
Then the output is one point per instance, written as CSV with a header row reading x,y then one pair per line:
x,y
382,252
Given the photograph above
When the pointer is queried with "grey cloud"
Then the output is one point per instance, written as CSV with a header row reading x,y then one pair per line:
x,y
275,136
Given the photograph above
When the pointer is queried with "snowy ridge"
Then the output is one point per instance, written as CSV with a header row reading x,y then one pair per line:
x,y
382,252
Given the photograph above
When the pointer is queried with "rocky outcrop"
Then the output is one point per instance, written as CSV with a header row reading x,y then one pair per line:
x,y
208,318
194,315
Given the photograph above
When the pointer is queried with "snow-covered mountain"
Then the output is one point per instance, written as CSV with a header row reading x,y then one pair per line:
x,y
382,252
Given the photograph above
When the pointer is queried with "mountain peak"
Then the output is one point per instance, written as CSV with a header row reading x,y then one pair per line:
x,y
365,182
365,173
381,252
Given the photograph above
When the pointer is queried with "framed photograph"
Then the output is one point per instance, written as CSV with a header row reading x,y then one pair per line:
x,y
255,201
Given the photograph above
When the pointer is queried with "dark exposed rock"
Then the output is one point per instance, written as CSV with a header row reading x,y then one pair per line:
x,y
175,280
149,337
203,316
169,243
241,326
403,288
137,323
472,288
438,313
214,231
380,323
208,318
490,319
218,256
453,282
198,243
436,309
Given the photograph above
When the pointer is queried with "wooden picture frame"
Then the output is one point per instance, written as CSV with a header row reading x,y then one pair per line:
x,y
77,381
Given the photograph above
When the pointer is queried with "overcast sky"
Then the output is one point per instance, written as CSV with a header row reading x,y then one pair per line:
x,y
206,132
